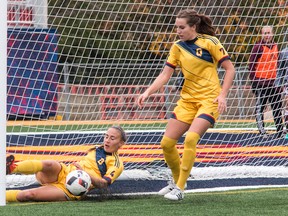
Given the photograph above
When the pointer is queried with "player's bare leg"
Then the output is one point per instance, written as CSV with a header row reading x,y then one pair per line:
x,y
44,193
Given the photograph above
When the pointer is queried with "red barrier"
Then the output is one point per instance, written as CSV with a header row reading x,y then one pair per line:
x,y
120,102
23,14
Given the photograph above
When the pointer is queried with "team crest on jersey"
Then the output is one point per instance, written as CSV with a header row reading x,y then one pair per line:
x,y
199,52
101,161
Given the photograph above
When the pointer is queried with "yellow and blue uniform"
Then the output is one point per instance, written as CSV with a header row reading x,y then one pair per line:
x,y
96,163
198,60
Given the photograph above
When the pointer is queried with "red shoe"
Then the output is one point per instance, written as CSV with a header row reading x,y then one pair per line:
x,y
10,165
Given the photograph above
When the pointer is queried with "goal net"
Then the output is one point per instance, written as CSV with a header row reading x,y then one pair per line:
x,y
77,67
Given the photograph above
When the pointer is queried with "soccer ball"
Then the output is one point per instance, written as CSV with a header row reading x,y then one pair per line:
x,y
78,182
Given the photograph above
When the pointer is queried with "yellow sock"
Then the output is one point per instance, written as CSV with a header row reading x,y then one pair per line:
x,y
171,156
188,158
11,195
28,167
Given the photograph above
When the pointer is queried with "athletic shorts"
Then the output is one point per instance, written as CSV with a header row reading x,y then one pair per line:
x,y
62,180
187,111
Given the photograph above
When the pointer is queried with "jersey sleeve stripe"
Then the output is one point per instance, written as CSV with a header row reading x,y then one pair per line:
x,y
223,59
170,65
109,180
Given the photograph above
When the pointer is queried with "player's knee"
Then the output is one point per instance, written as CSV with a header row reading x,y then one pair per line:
x,y
27,196
50,165
167,144
191,140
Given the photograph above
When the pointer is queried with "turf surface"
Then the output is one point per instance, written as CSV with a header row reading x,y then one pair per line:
x,y
268,201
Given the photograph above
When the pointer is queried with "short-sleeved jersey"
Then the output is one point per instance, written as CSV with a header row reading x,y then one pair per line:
x,y
198,60
97,163
102,164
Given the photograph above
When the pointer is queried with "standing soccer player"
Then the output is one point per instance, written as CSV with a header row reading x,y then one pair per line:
x,y
198,53
101,163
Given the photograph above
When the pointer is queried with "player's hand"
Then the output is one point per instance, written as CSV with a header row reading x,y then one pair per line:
x,y
141,99
222,104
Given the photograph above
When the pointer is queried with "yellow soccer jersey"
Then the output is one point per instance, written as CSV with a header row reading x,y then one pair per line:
x,y
102,164
198,60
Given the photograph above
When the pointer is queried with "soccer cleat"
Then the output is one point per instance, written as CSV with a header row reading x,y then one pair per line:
x,y
167,189
176,194
10,165
171,185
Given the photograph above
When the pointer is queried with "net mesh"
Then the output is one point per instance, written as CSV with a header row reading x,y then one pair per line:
x,y
77,67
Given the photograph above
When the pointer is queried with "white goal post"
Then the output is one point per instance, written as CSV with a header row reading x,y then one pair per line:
x,y
3,76
76,67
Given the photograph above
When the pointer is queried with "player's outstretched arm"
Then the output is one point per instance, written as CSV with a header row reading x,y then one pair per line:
x,y
158,83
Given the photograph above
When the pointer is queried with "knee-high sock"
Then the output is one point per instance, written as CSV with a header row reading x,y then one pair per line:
x,y
28,167
188,158
11,195
171,156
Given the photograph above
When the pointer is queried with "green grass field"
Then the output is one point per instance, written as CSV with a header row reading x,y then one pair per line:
x,y
268,201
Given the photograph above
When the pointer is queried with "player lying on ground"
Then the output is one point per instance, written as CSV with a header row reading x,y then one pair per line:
x,y
101,163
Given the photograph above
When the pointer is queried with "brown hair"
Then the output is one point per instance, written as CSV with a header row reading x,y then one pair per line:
x,y
122,132
203,23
